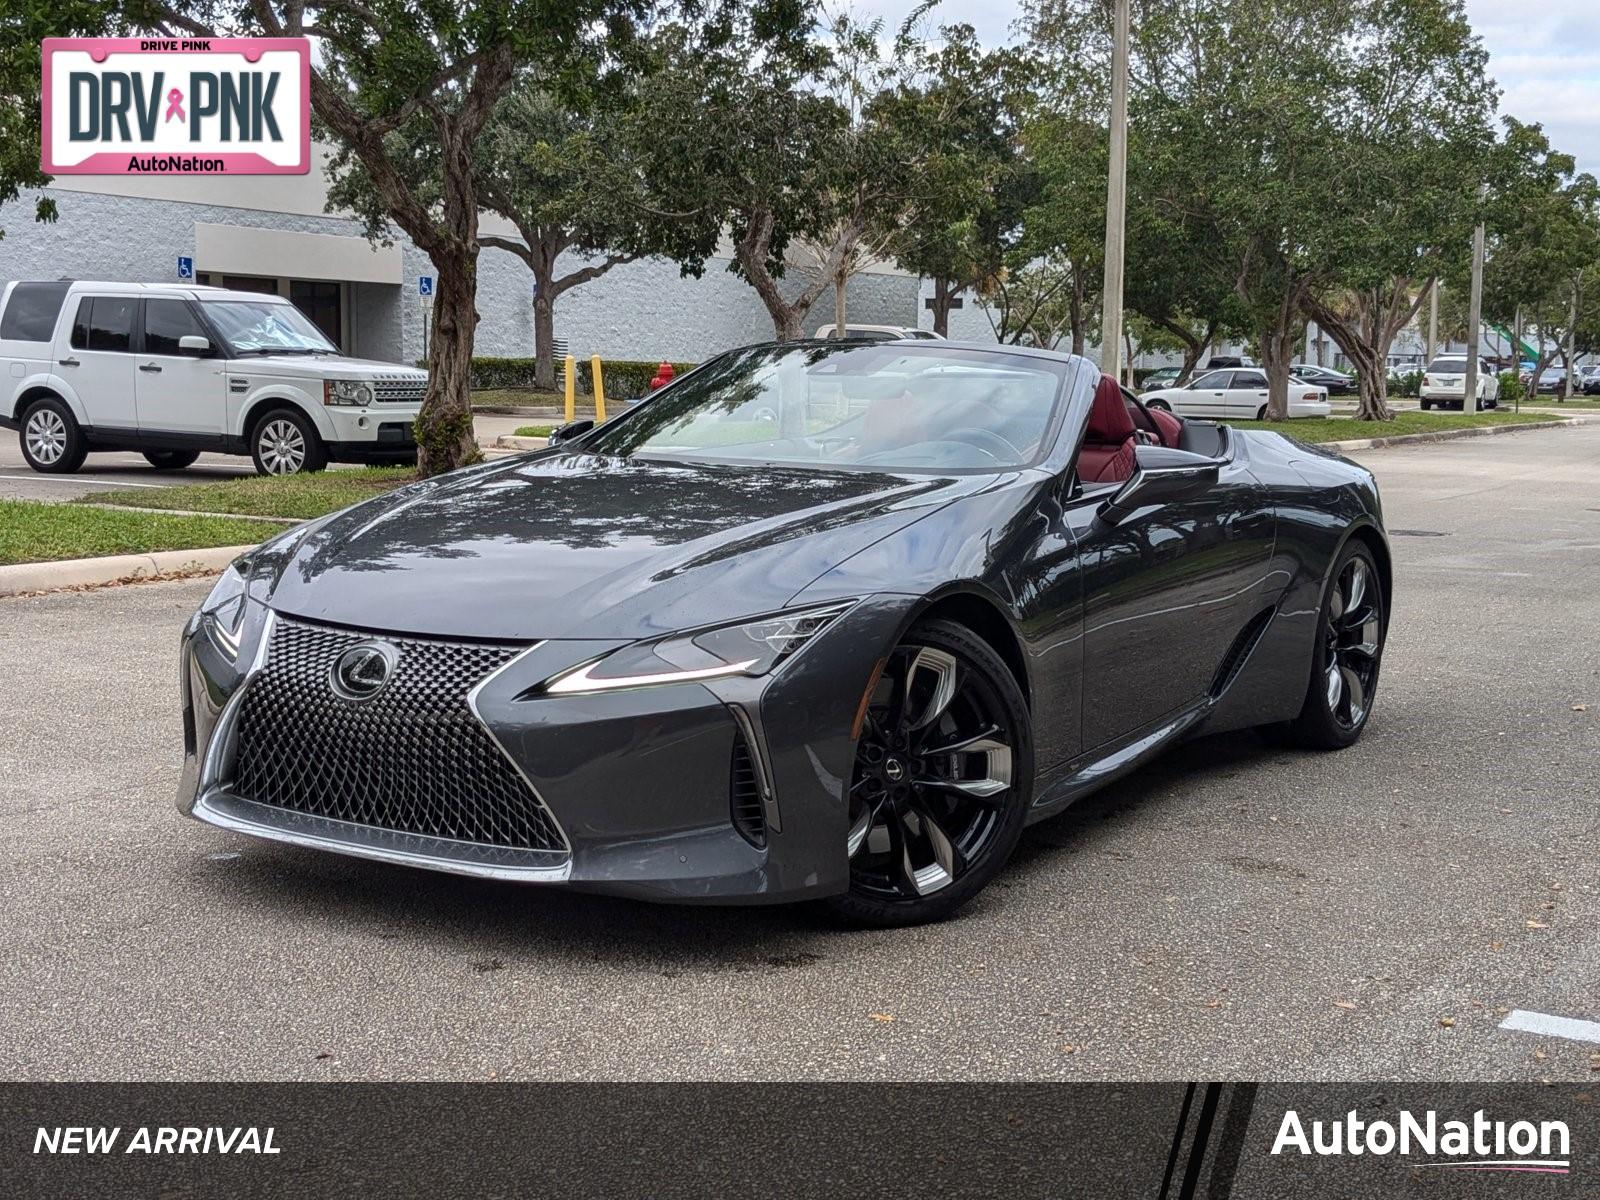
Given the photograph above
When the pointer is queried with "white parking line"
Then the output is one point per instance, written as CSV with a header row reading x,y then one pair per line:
x,y
111,483
1548,1026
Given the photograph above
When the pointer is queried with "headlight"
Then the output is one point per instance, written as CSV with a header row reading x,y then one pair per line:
x,y
222,614
752,648
353,392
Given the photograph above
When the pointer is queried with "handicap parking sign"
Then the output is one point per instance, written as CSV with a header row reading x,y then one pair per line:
x,y
185,267
424,285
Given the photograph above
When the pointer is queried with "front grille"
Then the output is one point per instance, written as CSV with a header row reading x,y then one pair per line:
x,y
398,389
744,792
413,758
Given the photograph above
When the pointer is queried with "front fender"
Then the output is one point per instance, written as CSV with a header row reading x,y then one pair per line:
x,y
279,393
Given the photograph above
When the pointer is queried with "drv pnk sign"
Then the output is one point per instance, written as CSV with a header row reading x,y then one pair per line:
x,y
176,106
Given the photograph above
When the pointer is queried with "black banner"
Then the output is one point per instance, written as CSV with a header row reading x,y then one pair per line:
x,y
797,1142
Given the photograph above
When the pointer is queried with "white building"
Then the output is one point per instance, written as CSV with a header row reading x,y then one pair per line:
x,y
271,233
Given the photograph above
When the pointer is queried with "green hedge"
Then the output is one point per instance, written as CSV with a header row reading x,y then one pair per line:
x,y
624,378
1512,389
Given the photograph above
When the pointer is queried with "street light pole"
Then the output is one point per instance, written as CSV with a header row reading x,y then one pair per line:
x,y
1433,324
1116,199
1469,394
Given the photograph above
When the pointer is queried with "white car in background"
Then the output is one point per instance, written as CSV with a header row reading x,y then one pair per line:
x,y
881,333
1239,393
1445,382
173,370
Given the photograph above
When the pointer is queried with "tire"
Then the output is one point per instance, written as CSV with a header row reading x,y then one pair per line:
x,y
171,460
1426,405
51,441
284,442
1159,405
902,802
1261,413
1344,676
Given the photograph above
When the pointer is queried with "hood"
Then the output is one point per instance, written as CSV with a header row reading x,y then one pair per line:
x,y
568,545
328,366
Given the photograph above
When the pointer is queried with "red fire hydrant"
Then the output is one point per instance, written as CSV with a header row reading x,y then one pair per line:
x,y
664,374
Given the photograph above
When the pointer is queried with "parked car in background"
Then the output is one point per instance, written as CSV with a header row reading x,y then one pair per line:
x,y
1161,377
1590,384
1218,361
880,333
1336,383
1552,381
1444,383
1240,394
173,370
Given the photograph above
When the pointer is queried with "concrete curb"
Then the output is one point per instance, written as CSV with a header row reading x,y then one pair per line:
x,y
510,441
1445,435
117,568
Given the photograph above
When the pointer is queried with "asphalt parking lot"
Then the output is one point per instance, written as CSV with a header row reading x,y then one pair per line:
x,y
1235,911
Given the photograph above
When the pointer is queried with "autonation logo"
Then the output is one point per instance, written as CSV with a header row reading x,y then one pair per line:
x,y
1476,1145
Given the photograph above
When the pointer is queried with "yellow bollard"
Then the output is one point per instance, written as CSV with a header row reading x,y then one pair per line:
x,y
599,390
572,388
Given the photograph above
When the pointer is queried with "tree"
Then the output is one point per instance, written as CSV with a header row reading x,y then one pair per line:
x,y
387,68
1407,142
1037,303
570,181
22,27
969,182
775,129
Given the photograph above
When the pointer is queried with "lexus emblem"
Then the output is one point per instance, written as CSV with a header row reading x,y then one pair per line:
x,y
361,672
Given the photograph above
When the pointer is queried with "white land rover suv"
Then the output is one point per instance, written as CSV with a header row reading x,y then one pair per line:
x,y
173,370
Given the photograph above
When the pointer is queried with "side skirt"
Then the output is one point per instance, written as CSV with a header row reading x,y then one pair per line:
x,y
1089,774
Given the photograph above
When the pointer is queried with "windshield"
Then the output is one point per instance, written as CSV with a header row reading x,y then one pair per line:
x,y
884,405
261,326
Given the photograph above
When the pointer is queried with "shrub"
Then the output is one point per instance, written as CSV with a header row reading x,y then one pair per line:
x,y
1512,389
625,379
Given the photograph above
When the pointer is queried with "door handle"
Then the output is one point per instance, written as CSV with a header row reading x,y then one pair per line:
x,y
67,362
149,366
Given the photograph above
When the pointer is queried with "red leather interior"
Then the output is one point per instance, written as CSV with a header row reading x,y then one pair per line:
x,y
1170,428
1107,452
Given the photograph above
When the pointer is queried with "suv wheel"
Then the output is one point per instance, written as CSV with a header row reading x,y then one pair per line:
x,y
51,440
284,443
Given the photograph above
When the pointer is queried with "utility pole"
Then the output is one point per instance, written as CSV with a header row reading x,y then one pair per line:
x,y
1116,199
1433,324
1469,396
1572,321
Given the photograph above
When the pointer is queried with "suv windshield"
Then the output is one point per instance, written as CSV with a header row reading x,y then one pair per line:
x,y
262,326
880,405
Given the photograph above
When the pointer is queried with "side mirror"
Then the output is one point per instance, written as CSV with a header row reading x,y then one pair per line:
x,y
1159,483
572,429
191,343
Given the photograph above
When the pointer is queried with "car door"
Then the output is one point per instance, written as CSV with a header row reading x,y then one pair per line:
x,y
1247,394
1167,592
1204,397
97,360
180,392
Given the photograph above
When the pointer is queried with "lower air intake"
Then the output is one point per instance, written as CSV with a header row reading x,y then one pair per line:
x,y
749,814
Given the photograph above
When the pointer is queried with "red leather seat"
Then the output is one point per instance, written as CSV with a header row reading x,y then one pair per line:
x,y
1170,427
1107,452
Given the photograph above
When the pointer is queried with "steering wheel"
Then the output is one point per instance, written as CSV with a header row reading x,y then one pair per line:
x,y
986,440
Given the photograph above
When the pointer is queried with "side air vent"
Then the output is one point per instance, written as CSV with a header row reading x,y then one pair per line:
x,y
1233,662
744,791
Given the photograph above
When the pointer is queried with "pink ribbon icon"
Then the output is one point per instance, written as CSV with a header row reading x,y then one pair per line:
x,y
175,105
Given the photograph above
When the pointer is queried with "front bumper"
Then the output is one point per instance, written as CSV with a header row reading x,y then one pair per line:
x,y
379,433
637,781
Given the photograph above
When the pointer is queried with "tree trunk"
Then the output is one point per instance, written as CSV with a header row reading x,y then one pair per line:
x,y
544,336
840,319
1277,351
443,428
942,295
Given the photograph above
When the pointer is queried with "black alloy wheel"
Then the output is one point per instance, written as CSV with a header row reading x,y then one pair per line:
x,y
1344,679
942,781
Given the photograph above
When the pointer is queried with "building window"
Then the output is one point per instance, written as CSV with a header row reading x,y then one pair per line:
x,y
320,300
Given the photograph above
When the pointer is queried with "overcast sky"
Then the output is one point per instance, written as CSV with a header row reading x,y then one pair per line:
x,y
1543,54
